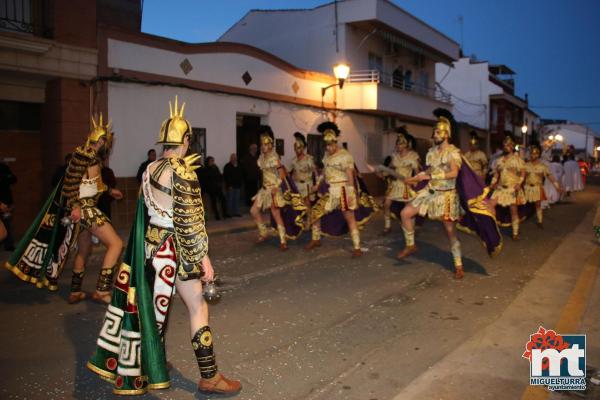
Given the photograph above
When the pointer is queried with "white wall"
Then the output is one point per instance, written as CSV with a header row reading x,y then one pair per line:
x,y
470,85
137,112
575,135
219,68
303,38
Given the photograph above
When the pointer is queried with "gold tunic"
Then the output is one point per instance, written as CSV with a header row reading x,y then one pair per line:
x,y
302,174
534,180
478,161
341,191
405,166
439,200
269,165
508,175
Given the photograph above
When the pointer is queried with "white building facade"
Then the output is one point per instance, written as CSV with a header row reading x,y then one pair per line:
x,y
225,84
392,56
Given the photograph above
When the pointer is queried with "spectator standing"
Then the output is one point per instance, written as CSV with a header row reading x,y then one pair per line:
x,y
151,157
251,173
7,178
107,197
233,176
211,182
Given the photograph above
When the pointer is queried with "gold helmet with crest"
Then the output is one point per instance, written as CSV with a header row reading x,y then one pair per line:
x,y
330,131
174,129
100,131
266,134
446,124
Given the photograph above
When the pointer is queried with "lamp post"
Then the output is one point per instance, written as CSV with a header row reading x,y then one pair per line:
x,y
524,131
341,72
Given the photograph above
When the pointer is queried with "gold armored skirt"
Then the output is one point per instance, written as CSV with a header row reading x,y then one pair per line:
x,y
90,214
441,205
399,191
534,193
265,198
340,196
508,196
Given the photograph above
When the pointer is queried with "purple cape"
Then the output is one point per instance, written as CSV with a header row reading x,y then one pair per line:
x,y
293,213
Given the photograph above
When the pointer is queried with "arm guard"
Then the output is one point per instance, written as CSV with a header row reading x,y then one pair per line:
x,y
76,169
188,218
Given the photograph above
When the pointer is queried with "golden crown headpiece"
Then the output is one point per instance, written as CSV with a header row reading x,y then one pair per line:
x,y
299,142
174,129
508,141
265,138
100,131
443,124
329,136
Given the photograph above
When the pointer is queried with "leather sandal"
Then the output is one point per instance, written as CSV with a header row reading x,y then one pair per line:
x,y
407,251
356,253
76,297
283,246
261,239
219,385
459,272
101,298
312,245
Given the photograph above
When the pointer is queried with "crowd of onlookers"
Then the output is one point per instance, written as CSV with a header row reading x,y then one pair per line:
x,y
224,190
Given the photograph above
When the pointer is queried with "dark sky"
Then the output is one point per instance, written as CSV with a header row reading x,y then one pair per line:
x,y
552,45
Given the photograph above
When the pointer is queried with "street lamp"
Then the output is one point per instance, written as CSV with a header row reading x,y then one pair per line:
x,y
341,72
524,131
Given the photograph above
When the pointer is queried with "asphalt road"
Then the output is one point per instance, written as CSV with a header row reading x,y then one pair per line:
x,y
295,325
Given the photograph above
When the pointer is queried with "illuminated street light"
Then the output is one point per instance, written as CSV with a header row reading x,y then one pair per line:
x,y
341,72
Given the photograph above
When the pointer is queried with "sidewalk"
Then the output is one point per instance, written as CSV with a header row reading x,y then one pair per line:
x,y
489,365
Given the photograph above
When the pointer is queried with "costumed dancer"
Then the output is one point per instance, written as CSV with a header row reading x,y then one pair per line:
x,y
278,195
167,253
476,157
535,173
449,191
404,163
438,200
70,214
303,172
507,184
552,195
343,202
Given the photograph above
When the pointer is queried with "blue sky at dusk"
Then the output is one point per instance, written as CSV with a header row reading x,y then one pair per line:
x,y
552,45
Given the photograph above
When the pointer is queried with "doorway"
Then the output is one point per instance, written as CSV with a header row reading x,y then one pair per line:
x,y
246,133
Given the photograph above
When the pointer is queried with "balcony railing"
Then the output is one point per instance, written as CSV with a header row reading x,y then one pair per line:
x,y
397,82
27,16
16,15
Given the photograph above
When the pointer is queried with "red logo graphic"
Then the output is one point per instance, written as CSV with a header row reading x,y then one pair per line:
x,y
545,339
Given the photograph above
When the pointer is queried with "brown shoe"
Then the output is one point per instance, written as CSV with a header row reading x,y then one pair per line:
x,y
312,245
261,239
101,297
540,225
407,251
459,272
356,253
76,297
283,246
515,238
219,385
